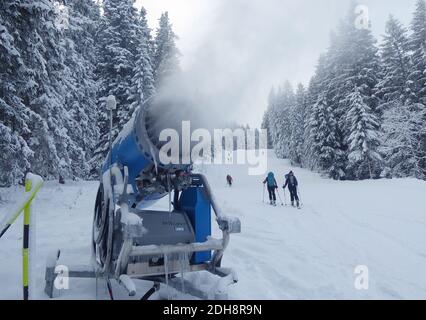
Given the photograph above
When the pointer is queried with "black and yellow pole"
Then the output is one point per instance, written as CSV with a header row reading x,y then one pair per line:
x,y
26,242
33,185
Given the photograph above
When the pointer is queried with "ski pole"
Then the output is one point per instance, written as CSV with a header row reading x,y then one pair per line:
x,y
285,199
263,193
282,203
299,195
109,287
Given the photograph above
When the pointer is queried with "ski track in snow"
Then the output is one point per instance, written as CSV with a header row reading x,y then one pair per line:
x,y
282,252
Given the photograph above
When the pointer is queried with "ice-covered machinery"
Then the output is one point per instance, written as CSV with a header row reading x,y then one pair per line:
x,y
132,242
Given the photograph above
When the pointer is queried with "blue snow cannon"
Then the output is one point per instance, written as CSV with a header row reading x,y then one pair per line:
x,y
137,147
133,241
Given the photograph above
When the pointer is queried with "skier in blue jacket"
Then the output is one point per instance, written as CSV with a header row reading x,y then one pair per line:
x,y
291,182
272,186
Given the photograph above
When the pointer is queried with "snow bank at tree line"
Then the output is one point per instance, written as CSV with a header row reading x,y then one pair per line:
x,y
282,253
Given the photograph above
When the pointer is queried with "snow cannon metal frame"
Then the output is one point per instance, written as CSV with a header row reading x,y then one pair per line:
x,y
131,242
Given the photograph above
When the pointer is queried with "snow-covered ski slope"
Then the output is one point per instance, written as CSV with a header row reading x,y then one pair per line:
x,y
282,253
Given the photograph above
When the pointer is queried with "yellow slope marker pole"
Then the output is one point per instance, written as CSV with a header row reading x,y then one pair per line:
x,y
26,242
31,191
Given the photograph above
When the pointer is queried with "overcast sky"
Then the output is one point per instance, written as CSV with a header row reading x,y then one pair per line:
x,y
235,50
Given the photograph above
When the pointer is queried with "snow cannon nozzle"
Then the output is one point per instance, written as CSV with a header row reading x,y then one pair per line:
x,y
138,148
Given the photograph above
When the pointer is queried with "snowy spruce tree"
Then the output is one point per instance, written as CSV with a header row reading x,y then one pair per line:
x,y
402,128
330,157
44,91
351,66
80,58
359,67
401,125
297,125
312,134
269,119
363,124
265,126
287,101
316,88
417,77
118,47
15,155
281,103
46,114
327,91
354,70
396,65
166,53
404,123
143,83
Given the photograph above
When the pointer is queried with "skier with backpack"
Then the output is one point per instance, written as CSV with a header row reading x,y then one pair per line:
x,y
272,186
292,183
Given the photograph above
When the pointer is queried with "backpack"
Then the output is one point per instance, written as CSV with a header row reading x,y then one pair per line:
x,y
271,179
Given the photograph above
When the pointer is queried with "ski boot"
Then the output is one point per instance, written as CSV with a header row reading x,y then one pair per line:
x,y
292,204
298,204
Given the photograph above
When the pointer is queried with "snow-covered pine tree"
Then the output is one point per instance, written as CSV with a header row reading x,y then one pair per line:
x,y
329,87
396,65
266,126
15,155
355,64
143,84
47,85
336,65
117,44
317,87
297,124
269,121
417,74
288,103
40,45
312,135
402,125
280,118
276,121
271,117
166,53
401,121
417,77
331,158
81,84
364,159
147,35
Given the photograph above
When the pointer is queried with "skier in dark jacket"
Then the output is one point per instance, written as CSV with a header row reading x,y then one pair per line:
x,y
291,182
229,180
272,186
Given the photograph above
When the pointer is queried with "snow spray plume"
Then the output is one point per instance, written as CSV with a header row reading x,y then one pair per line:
x,y
177,102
